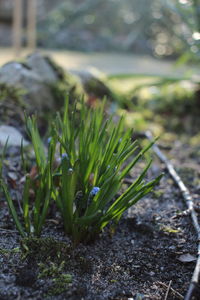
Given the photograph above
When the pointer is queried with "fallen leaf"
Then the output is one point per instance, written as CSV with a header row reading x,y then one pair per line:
x,y
187,258
12,175
33,172
169,229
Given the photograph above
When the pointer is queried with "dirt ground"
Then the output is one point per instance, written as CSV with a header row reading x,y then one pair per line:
x,y
150,249
151,254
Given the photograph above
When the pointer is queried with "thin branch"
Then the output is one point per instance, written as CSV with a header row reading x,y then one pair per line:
x,y
3,230
177,294
186,212
194,285
168,290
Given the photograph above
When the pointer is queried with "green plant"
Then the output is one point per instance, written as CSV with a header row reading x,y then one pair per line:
x,y
94,155
94,158
33,212
59,280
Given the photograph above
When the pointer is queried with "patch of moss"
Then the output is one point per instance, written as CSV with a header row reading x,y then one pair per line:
x,y
11,104
158,193
50,269
59,280
60,284
12,92
43,249
98,87
50,258
67,87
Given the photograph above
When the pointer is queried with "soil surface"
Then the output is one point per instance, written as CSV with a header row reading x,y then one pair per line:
x,y
150,249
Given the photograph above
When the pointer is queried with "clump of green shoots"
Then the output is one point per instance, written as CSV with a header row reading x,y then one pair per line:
x,y
33,212
95,156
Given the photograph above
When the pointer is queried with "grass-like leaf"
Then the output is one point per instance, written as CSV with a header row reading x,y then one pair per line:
x,y
93,166
12,209
34,212
95,155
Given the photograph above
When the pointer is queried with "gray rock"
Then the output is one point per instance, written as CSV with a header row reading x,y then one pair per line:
x,y
40,65
94,83
34,77
13,135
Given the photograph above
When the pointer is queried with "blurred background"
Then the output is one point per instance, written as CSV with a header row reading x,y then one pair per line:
x,y
162,29
148,50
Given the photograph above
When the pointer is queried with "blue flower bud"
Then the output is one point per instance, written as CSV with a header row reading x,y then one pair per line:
x,y
94,191
65,155
70,170
49,140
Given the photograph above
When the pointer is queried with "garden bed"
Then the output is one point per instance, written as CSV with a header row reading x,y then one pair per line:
x,y
151,253
149,250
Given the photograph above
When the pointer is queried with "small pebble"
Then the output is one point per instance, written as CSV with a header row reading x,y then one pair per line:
x,y
152,273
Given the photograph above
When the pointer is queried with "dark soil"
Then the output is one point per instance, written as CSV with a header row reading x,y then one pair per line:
x,y
138,261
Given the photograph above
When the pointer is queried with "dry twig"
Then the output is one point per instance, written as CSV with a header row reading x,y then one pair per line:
x,y
194,285
168,290
3,230
177,294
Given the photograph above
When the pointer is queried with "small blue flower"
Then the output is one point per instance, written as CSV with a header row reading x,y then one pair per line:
x,y
94,191
49,140
65,155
